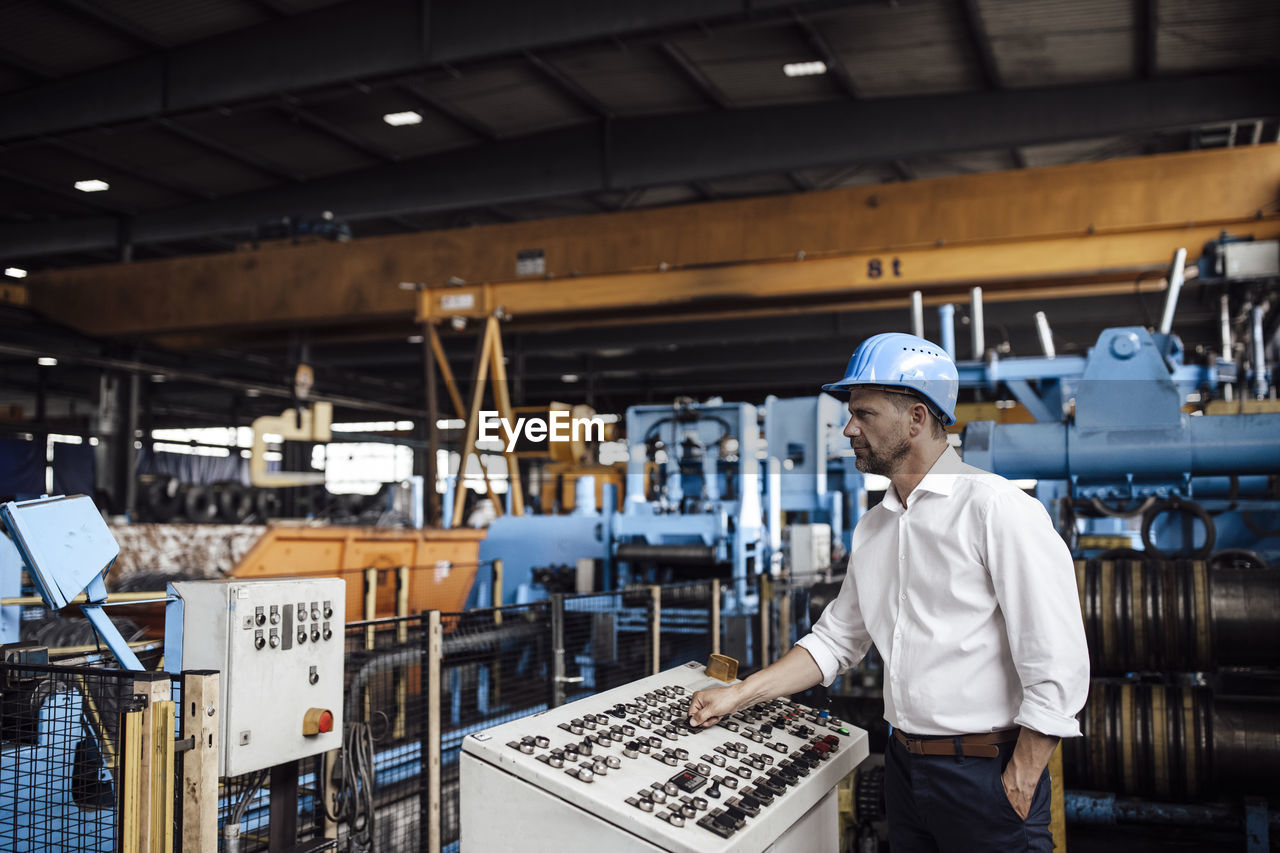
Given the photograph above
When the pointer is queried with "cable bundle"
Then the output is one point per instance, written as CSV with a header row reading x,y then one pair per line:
x,y
352,787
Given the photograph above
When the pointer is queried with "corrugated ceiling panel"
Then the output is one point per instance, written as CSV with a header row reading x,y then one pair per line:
x,y
21,199
746,64
173,160
1052,42
361,113
1193,35
62,170
914,47
509,96
53,38
271,135
631,80
176,22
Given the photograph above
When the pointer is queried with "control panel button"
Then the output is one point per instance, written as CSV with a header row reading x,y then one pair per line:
x,y
317,721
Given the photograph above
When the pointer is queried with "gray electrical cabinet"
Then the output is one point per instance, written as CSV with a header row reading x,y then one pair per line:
x,y
279,646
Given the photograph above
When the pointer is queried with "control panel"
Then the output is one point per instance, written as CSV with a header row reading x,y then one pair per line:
x,y
622,770
279,646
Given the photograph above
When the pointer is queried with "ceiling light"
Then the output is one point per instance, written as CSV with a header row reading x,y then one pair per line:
x,y
93,185
569,377
16,272
401,119
47,361
804,69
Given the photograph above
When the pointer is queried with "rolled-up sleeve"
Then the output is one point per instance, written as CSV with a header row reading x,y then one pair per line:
x,y
839,638
1035,584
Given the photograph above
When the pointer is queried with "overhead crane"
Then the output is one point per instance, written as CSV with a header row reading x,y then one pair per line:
x,y
1061,231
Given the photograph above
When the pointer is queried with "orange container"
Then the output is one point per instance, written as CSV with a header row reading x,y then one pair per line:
x,y
441,563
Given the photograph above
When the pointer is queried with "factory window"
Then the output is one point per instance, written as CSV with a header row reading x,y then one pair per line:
x,y
362,468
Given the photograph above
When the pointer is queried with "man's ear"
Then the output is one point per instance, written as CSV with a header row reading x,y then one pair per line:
x,y
919,418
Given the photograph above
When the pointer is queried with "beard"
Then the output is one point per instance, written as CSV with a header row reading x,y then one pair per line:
x,y
885,460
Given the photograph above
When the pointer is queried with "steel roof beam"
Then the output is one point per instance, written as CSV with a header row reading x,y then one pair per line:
x,y
696,76
1146,22
358,39
242,157
87,153
836,68
568,86
467,122
656,151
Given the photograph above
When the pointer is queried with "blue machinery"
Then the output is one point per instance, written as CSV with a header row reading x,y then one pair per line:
x,y
705,497
65,547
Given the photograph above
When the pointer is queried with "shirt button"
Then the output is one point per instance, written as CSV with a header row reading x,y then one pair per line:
x,y
903,596
902,556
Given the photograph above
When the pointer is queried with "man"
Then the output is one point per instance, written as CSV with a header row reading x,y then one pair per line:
x,y
969,594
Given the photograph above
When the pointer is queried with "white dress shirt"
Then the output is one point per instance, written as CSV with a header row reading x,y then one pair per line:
x,y
969,594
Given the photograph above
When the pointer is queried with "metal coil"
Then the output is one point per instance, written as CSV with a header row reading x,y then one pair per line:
x,y
235,503
1173,742
199,503
1177,615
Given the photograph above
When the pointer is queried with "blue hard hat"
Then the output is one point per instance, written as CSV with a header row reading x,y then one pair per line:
x,y
898,360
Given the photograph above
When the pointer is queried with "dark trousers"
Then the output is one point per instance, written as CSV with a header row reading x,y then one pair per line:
x,y
945,803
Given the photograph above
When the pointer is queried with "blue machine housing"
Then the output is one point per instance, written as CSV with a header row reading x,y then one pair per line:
x,y
694,494
1130,441
818,480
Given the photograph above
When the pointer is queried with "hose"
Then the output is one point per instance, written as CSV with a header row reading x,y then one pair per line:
x,y
1256,529
1187,508
1112,512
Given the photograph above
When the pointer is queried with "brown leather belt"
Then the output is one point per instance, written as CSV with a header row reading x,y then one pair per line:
x,y
977,746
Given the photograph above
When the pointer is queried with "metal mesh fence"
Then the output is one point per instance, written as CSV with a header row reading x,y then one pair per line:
x,y
497,665
686,623
608,640
386,703
60,748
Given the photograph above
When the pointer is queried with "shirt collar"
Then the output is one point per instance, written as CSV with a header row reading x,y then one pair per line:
x,y
940,480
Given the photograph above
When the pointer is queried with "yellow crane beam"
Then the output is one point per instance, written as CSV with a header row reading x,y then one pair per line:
x,y
1089,263
1029,215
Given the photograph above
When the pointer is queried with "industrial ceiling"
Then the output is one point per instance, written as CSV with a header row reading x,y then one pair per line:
x,y
212,122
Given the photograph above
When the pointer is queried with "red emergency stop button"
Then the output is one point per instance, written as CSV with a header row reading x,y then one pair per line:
x,y
317,721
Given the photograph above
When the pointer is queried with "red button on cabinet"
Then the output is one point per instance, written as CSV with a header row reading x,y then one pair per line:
x,y
317,721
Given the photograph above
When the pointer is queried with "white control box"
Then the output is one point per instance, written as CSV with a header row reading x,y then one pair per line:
x,y
621,771
279,646
810,549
